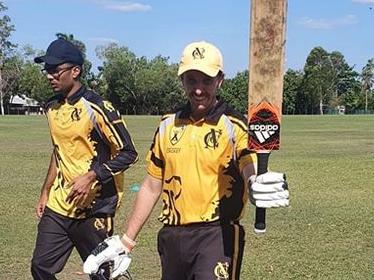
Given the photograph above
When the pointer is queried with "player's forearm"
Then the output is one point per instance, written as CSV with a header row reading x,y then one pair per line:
x,y
126,154
144,203
122,161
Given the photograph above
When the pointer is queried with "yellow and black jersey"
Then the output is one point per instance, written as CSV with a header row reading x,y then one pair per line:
x,y
200,164
88,134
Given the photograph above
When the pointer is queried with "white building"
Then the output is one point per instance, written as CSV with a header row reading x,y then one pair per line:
x,y
23,105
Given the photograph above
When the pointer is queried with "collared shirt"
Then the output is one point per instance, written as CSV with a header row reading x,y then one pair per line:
x,y
200,164
88,134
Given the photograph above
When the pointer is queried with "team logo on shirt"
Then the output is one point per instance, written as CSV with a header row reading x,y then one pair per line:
x,y
108,106
221,270
75,114
99,224
211,138
176,134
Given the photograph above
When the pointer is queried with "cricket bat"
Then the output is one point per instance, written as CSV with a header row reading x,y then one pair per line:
x,y
265,84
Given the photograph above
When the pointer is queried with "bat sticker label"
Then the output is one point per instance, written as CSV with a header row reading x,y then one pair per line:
x,y
264,127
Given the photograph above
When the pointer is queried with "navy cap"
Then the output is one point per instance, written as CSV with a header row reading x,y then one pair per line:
x,y
61,51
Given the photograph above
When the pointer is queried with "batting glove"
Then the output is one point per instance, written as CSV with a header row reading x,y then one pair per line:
x,y
269,190
111,249
120,266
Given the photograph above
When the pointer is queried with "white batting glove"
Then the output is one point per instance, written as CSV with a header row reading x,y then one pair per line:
x,y
120,266
269,190
111,249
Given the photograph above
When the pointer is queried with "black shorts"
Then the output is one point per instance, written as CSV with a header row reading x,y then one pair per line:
x,y
203,251
58,235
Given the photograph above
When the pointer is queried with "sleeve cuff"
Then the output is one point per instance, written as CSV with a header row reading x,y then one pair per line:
x,y
103,174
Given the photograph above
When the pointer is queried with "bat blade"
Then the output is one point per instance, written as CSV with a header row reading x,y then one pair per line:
x,y
265,84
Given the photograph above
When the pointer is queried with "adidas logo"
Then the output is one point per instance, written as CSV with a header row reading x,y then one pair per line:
x,y
264,132
262,136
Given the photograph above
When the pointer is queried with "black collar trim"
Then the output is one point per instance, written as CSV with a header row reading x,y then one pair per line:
x,y
72,99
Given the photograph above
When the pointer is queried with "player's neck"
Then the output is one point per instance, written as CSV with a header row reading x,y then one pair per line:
x,y
76,86
199,114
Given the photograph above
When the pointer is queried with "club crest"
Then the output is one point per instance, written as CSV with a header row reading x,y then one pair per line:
x,y
211,139
99,224
75,114
221,270
198,53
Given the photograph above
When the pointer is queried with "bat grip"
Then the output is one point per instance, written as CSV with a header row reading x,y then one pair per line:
x,y
260,218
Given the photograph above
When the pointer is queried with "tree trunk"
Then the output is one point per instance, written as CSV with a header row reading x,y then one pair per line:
x,y
320,107
366,101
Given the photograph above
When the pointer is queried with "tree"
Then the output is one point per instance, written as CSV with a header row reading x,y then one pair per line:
x,y
367,79
32,82
137,85
23,77
292,84
6,28
327,80
118,72
343,73
11,72
235,91
346,87
157,87
318,82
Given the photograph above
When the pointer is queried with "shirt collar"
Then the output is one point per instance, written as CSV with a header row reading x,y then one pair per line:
x,y
72,99
213,115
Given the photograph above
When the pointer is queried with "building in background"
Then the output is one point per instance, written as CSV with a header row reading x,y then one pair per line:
x,y
23,105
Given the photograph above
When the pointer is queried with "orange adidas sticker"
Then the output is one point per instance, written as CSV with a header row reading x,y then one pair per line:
x,y
264,127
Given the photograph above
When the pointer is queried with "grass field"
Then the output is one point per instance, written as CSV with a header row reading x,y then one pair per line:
x,y
327,233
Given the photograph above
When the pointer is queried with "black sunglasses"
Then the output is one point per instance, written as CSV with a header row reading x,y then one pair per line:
x,y
55,72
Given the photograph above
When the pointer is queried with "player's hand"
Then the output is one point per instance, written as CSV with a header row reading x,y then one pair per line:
x,y
269,190
80,188
111,249
41,205
120,265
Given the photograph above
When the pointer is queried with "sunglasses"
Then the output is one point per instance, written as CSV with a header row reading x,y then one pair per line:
x,y
56,72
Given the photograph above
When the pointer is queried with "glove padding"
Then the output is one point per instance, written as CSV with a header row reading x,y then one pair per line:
x,y
111,249
269,190
120,266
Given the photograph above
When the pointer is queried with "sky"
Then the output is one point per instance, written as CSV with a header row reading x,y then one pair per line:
x,y
164,27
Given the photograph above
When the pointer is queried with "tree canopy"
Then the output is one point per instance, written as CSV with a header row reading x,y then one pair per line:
x,y
6,29
141,85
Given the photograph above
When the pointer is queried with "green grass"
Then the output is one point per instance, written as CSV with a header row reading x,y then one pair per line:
x,y
327,233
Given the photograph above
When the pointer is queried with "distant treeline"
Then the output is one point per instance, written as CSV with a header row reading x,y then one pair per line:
x,y
141,85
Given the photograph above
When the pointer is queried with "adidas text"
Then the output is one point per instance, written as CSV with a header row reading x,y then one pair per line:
x,y
263,127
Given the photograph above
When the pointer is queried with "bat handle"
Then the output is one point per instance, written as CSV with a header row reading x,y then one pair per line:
x,y
260,218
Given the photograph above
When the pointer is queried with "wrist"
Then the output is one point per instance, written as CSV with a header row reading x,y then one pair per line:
x,y
128,242
92,175
251,179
